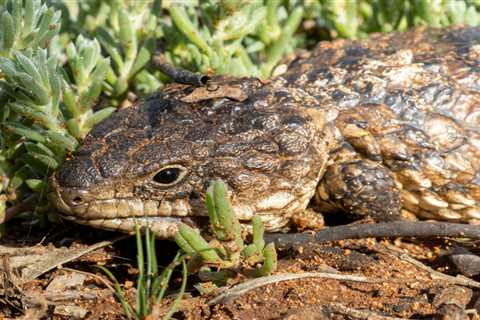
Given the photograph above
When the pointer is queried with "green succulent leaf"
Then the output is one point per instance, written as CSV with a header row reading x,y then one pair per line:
x,y
37,185
224,216
8,33
269,261
25,131
197,243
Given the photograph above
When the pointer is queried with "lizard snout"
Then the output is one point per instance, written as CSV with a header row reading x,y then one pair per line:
x,y
78,173
67,200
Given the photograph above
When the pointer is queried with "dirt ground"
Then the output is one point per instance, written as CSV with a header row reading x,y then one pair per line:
x,y
353,279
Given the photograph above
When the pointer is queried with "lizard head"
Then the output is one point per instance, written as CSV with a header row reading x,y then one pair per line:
x,y
152,162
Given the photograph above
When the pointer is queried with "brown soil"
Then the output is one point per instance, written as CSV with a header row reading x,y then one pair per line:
x,y
393,287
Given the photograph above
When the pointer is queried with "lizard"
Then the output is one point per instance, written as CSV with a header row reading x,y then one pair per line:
x,y
386,127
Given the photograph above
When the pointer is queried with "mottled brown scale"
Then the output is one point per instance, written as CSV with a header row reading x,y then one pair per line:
x,y
385,127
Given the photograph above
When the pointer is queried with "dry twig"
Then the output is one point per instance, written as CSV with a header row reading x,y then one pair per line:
x,y
26,204
394,229
179,75
236,291
93,275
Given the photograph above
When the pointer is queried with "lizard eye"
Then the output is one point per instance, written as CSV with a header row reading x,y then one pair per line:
x,y
170,175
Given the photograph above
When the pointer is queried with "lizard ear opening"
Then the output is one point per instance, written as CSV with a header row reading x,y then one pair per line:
x,y
170,175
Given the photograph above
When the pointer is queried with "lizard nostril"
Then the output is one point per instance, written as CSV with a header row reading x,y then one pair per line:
x,y
194,195
77,200
73,198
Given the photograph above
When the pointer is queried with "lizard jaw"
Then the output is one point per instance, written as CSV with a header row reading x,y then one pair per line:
x,y
99,208
162,227
163,217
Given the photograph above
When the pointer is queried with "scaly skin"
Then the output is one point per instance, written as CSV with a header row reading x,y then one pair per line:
x,y
387,127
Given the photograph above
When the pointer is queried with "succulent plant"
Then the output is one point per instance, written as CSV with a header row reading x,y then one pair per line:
x,y
227,254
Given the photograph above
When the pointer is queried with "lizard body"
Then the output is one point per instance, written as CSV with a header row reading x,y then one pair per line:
x,y
387,127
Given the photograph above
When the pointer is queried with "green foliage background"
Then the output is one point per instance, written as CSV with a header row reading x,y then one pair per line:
x,y
67,65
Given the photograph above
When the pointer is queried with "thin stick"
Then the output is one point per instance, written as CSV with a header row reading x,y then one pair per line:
x,y
101,279
180,75
459,279
394,229
238,290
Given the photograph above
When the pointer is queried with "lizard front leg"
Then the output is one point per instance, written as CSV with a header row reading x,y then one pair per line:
x,y
360,187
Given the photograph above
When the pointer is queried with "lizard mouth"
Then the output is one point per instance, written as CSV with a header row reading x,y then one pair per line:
x,y
102,209
123,214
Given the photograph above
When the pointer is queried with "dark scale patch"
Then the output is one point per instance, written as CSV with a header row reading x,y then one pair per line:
x,y
463,38
322,73
350,62
151,152
125,140
357,51
120,142
338,95
261,94
325,55
292,77
294,120
80,173
88,149
156,96
108,125
180,150
199,134
280,94
474,68
194,195
156,110
137,119
112,164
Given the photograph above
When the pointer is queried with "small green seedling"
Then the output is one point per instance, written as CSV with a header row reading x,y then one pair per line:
x,y
151,285
226,255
